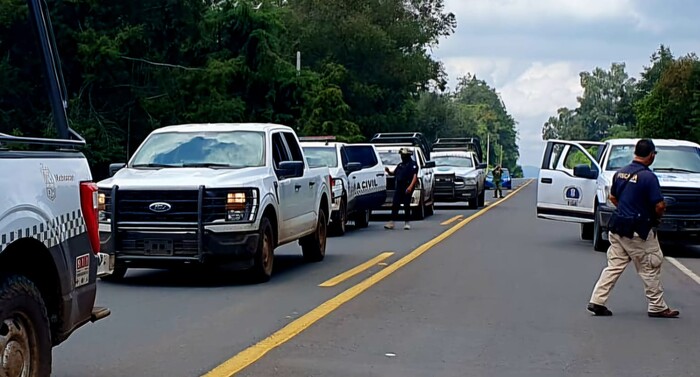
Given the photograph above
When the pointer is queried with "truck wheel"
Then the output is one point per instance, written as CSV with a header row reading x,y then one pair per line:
x,y
338,227
313,246
473,203
117,275
25,334
430,209
482,199
586,232
599,244
265,256
420,210
362,219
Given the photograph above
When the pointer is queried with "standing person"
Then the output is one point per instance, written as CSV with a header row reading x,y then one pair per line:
x,y
497,174
637,195
406,173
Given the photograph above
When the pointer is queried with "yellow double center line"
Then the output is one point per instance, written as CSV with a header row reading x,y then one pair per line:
x,y
254,353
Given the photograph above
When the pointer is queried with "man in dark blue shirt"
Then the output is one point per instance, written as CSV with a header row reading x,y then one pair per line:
x,y
406,178
637,195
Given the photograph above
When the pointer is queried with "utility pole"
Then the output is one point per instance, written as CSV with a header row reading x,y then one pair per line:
x,y
298,63
488,149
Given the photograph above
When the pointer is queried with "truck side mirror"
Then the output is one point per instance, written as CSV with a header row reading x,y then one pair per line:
x,y
114,168
352,167
585,171
429,164
481,166
291,169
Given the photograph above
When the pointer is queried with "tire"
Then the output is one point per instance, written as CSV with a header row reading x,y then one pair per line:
x,y
430,209
338,228
264,258
473,203
587,232
25,333
313,246
482,199
599,244
420,210
117,275
362,219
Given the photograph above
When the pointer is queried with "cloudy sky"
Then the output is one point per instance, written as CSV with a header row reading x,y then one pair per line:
x,y
532,51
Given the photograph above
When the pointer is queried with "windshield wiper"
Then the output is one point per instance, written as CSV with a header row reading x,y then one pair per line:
x,y
677,170
154,165
205,165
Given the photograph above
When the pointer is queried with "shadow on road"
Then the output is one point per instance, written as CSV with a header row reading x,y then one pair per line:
x,y
204,276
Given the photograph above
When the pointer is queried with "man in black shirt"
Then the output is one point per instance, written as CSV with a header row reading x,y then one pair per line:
x,y
637,195
406,175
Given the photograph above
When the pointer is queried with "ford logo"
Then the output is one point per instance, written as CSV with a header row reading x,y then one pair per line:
x,y
160,207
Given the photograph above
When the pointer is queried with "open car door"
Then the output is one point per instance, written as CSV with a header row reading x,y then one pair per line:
x,y
566,186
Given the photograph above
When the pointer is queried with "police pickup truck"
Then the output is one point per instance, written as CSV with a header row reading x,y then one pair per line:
x,y
225,194
575,180
388,145
460,176
49,249
358,181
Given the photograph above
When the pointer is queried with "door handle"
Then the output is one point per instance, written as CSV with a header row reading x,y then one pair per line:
x,y
546,180
312,183
380,174
297,187
354,177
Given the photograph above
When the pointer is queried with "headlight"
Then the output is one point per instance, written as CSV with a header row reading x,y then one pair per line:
x,y
470,181
606,191
102,214
241,206
337,187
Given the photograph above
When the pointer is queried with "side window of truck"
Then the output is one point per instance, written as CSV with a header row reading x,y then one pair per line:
x,y
294,147
279,150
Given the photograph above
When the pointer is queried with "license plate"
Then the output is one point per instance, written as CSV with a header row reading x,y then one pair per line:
x,y
158,247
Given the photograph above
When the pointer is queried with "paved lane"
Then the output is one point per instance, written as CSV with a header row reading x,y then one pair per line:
x,y
185,323
504,296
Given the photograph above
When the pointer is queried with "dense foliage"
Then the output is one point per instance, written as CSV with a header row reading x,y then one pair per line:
x,y
133,66
663,103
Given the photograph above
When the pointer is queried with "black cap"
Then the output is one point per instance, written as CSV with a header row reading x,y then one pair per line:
x,y
644,148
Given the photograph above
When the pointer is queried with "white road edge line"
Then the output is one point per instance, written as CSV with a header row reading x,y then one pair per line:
x,y
684,269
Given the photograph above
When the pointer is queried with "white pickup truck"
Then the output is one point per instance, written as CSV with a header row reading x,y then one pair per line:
x,y
575,180
214,194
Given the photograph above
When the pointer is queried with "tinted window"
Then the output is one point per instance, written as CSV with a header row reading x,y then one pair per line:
x,y
321,156
293,147
238,149
363,154
279,151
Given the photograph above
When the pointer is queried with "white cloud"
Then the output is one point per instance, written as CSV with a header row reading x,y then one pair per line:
x,y
493,70
534,11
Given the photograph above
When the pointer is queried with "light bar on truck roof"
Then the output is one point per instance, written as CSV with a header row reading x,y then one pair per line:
x,y
317,138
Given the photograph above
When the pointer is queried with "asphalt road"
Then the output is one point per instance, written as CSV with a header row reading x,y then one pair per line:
x,y
503,296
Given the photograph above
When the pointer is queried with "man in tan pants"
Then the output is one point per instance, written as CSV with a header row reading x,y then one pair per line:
x,y
637,195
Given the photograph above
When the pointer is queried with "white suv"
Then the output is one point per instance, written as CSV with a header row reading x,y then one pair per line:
x,y
358,178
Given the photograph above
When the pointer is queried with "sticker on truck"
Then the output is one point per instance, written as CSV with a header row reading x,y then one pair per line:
x,y
82,270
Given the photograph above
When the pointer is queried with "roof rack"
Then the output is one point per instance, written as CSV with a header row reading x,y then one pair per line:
x,y
415,139
469,144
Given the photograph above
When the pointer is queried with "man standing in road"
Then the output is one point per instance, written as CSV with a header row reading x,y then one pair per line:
x,y
497,174
406,174
637,195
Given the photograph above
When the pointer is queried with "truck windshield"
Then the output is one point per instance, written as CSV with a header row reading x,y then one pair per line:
x,y
676,159
390,158
454,161
321,156
237,149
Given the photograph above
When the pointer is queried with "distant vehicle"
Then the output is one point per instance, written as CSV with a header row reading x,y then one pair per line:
x,y
459,177
388,145
50,247
357,176
215,194
506,181
574,185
